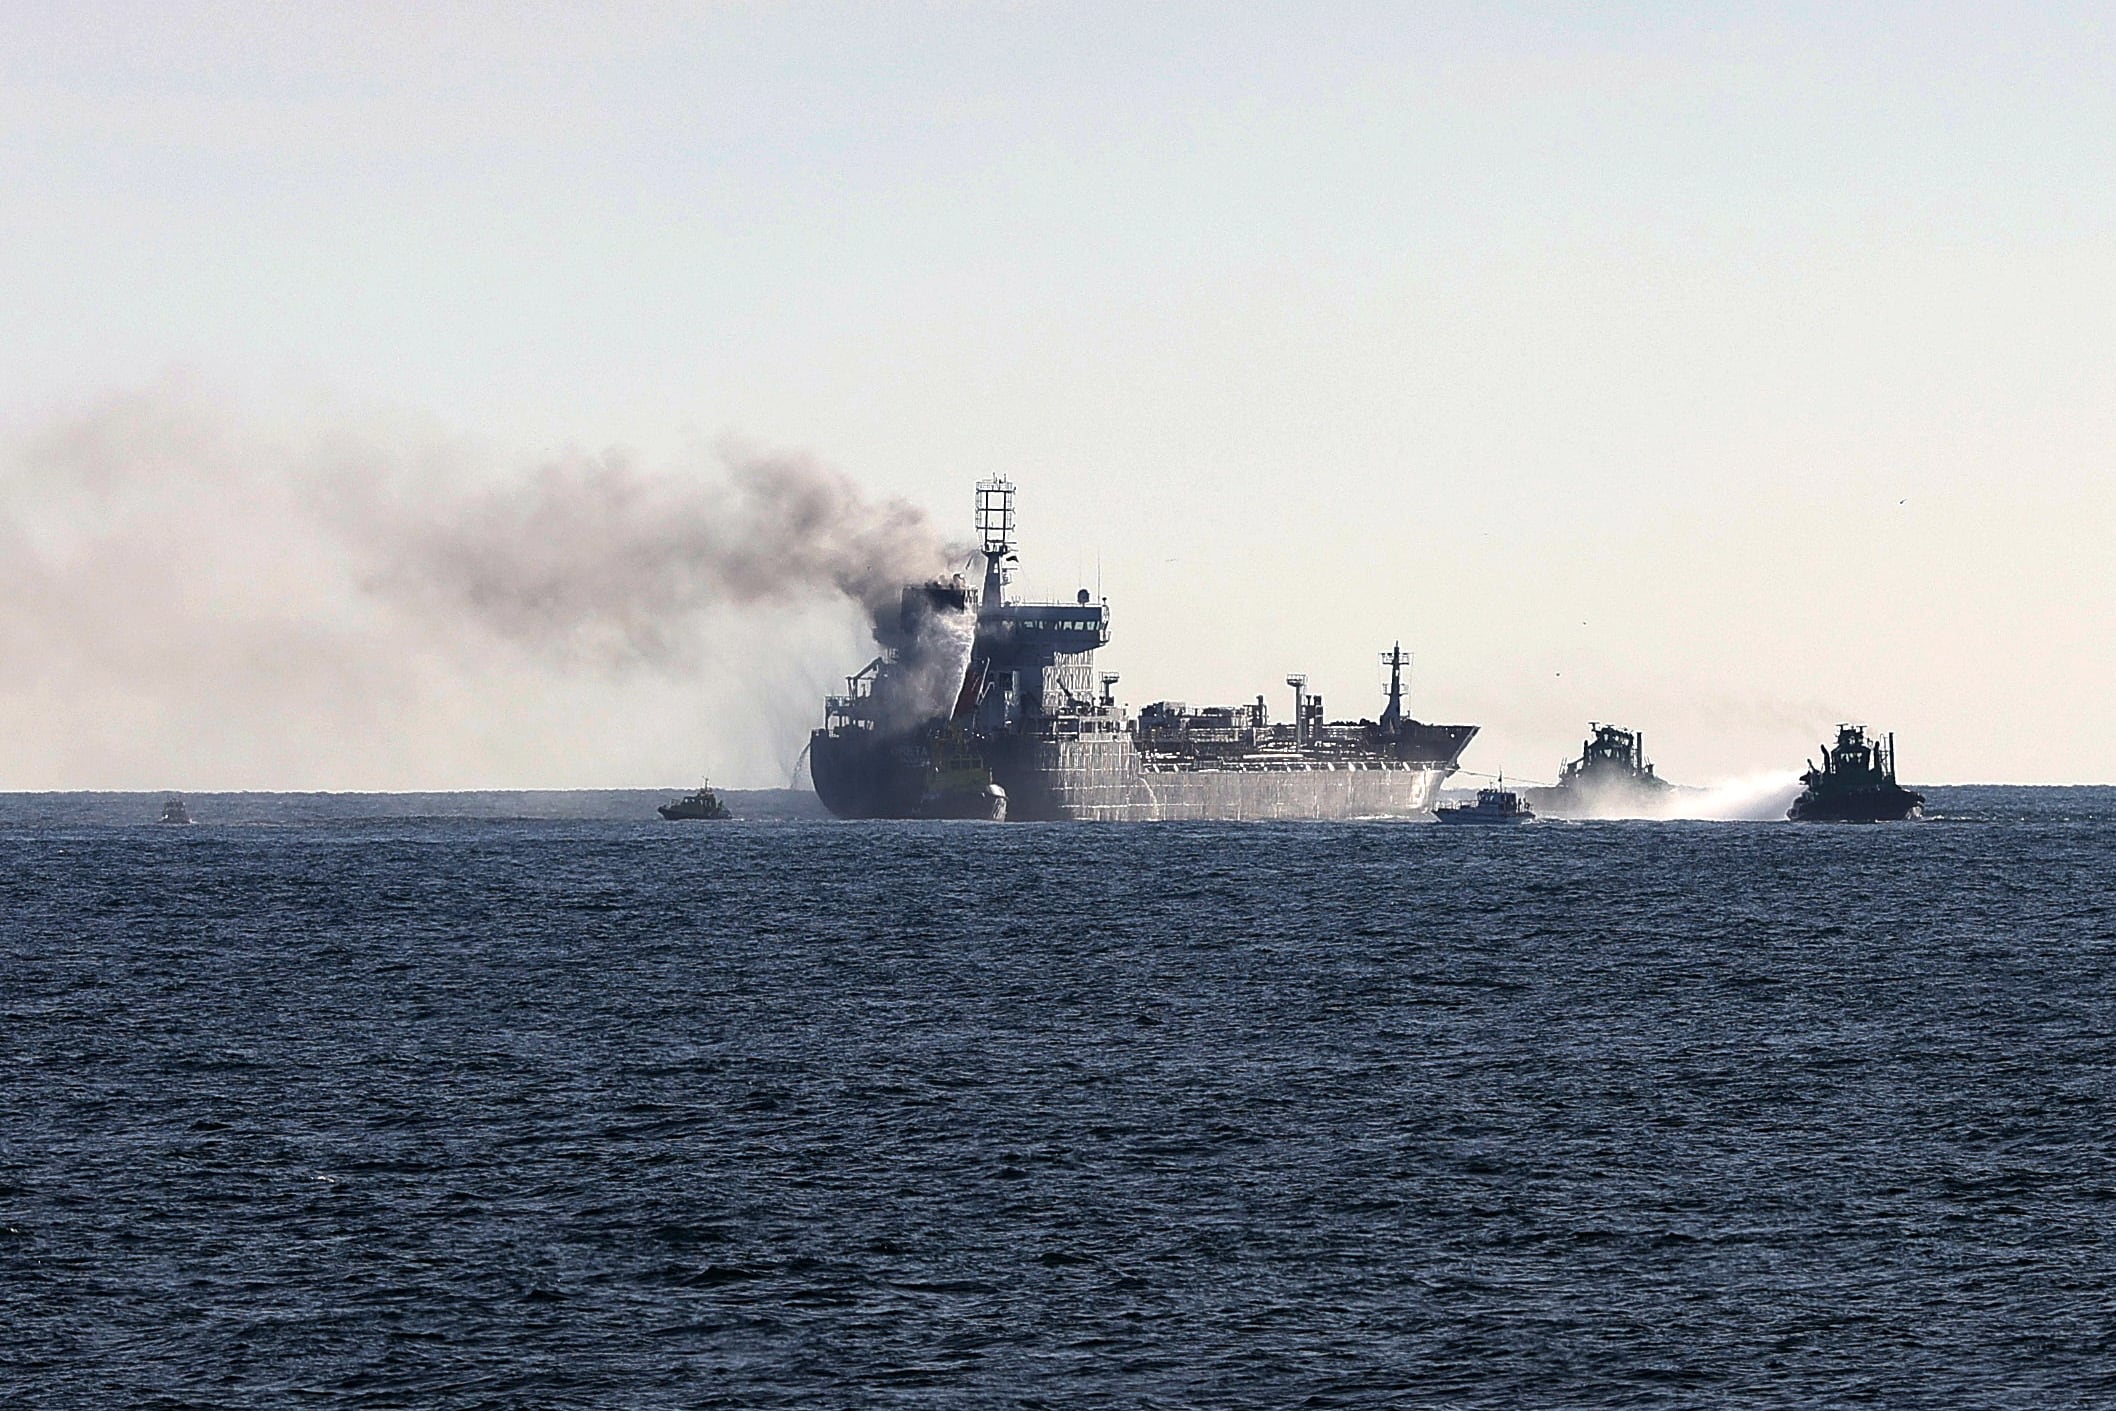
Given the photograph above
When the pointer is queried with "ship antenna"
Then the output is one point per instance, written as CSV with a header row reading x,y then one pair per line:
x,y
995,533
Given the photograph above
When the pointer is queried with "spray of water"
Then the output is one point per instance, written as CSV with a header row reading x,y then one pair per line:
x,y
1757,797
1751,796
933,669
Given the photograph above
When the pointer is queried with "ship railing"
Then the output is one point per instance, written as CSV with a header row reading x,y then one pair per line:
x,y
1074,727
1166,759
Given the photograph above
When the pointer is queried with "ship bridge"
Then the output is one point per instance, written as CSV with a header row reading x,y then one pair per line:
x,y
1055,629
1032,663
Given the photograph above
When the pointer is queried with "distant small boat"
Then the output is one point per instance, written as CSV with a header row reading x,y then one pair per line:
x,y
703,804
1492,806
173,811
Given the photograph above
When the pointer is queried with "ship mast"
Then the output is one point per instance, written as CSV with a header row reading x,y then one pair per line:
x,y
1395,661
995,532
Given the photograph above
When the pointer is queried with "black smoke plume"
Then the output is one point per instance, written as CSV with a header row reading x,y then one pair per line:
x,y
375,602
591,557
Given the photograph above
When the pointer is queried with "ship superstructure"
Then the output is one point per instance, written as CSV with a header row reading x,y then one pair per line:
x,y
973,679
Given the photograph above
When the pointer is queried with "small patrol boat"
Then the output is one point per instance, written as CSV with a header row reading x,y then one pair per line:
x,y
1492,806
173,810
703,804
1856,783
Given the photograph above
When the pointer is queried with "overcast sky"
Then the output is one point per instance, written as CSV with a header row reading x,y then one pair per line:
x,y
1723,372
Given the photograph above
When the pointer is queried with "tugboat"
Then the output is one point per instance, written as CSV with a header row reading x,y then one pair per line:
x,y
1610,779
960,785
702,804
1856,783
1492,806
173,811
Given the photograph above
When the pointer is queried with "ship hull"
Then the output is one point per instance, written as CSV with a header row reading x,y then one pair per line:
x,y
859,776
1471,818
1603,798
689,813
1105,779
1891,805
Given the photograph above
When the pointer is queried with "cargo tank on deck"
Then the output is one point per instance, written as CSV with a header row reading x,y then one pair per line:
x,y
1856,783
982,686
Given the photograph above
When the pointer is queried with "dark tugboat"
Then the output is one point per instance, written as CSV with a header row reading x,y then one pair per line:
x,y
1492,806
702,804
1856,783
174,811
1610,779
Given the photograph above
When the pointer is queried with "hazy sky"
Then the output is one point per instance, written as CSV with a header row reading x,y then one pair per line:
x,y
1720,371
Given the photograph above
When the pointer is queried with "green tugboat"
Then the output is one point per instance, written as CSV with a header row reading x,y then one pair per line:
x,y
702,804
960,785
1856,783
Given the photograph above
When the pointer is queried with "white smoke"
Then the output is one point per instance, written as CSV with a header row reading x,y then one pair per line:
x,y
931,661
939,661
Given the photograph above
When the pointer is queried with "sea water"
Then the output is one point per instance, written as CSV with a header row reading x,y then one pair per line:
x,y
355,1103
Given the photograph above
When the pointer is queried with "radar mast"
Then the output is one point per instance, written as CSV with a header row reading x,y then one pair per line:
x,y
995,533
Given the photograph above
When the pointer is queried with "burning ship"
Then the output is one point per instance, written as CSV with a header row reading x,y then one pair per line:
x,y
982,707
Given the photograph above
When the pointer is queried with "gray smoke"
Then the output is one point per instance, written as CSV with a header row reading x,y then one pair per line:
x,y
377,603
590,557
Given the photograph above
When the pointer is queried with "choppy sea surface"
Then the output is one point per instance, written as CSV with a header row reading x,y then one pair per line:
x,y
362,1103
